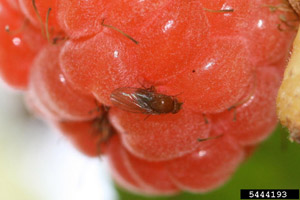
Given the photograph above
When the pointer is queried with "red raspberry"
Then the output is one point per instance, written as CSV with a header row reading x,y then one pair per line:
x,y
86,136
19,43
137,174
51,93
216,81
42,7
200,171
221,60
80,18
104,57
180,133
255,119
276,31
13,4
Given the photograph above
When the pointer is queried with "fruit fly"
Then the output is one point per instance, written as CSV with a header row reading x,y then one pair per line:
x,y
146,101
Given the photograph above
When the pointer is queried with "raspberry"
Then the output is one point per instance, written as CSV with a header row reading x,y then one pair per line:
x,y
18,47
204,75
274,31
259,109
217,81
86,136
233,21
140,175
179,137
13,3
51,93
200,171
80,18
42,7
207,168
100,59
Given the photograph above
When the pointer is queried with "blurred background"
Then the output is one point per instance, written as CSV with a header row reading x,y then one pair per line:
x,y
37,163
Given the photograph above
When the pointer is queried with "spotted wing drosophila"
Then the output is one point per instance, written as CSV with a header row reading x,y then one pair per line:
x,y
146,101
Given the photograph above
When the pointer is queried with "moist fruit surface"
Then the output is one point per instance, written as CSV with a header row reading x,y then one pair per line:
x,y
222,59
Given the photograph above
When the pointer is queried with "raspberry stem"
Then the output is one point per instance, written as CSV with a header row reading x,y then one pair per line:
x,y
288,101
295,5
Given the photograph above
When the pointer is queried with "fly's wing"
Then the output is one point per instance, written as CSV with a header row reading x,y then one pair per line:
x,y
127,99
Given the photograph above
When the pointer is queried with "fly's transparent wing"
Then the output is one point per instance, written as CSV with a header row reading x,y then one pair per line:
x,y
127,99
